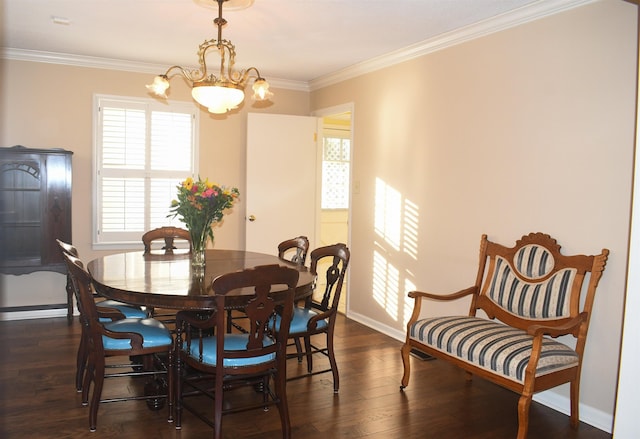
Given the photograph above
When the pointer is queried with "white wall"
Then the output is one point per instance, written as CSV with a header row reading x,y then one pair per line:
x,y
525,130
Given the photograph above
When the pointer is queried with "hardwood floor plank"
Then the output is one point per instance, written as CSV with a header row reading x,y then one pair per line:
x,y
38,397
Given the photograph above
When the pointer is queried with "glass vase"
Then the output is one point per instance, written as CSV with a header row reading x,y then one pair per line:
x,y
198,257
199,239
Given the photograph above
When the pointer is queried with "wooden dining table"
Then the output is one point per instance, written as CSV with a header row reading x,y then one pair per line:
x,y
169,281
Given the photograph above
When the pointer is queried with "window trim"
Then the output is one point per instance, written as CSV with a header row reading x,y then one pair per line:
x,y
149,105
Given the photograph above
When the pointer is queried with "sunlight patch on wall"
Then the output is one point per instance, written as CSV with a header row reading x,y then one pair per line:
x,y
396,222
388,207
410,229
386,284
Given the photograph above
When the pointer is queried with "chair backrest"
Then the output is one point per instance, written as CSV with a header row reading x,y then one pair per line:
x,y
533,282
89,315
81,282
332,260
67,248
270,291
168,235
294,250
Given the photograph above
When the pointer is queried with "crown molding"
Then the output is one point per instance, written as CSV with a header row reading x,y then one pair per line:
x,y
116,64
525,14
517,17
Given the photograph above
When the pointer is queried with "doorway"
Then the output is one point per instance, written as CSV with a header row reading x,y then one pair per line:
x,y
335,163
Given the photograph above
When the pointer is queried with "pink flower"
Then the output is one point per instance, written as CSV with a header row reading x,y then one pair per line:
x,y
207,193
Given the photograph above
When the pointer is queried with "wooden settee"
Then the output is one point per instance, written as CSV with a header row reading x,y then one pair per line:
x,y
531,294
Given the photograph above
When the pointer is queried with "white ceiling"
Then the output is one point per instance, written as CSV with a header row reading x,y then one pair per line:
x,y
296,40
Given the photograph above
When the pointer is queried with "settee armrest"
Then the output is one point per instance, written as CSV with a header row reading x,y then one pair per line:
x,y
572,327
443,297
419,295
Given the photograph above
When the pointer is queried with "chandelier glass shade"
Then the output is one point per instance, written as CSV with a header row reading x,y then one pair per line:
x,y
218,93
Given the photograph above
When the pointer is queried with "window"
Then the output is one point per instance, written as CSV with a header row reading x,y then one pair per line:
x,y
335,172
142,150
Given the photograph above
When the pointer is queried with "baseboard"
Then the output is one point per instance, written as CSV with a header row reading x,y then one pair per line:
x,y
32,312
589,415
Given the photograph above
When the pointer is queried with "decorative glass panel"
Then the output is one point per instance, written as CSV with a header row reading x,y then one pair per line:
x,y
335,173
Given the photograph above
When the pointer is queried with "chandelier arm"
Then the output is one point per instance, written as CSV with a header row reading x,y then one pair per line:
x,y
221,93
258,76
192,75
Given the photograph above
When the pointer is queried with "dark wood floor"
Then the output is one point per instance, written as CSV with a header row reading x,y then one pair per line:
x,y
38,399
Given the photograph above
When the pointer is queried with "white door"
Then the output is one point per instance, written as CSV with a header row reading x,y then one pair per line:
x,y
281,193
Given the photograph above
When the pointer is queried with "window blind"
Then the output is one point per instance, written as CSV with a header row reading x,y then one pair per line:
x,y
142,153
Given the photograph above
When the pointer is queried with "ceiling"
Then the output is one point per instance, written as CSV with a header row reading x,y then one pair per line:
x,y
295,40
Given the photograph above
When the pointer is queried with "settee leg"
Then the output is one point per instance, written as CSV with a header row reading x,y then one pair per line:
x,y
523,415
575,401
407,366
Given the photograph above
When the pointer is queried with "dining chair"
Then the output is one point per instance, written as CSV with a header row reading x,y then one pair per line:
x,y
318,315
146,338
108,310
166,234
293,250
226,361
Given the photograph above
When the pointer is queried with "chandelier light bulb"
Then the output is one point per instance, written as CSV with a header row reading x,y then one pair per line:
x,y
159,86
261,90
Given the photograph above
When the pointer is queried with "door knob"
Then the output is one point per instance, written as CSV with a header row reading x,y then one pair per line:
x,y
252,218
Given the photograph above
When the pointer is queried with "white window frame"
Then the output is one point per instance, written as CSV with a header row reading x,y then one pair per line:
x,y
132,239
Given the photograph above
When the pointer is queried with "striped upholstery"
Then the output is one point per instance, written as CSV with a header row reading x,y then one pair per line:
x,y
491,345
548,299
533,261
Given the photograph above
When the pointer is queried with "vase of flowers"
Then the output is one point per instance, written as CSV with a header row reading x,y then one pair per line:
x,y
200,204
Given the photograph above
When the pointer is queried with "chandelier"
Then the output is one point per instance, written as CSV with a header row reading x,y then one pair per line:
x,y
221,93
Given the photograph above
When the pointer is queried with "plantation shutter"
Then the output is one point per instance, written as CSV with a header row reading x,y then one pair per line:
x,y
142,154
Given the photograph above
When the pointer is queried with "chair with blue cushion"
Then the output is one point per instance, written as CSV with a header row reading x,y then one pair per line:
x,y
224,361
167,235
318,315
163,240
108,310
294,250
126,311
145,338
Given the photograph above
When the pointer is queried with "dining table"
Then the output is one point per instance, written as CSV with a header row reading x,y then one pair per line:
x,y
168,280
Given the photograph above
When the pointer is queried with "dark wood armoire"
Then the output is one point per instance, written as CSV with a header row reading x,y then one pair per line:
x,y
35,208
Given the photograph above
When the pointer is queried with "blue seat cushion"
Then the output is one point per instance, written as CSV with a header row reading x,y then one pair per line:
x,y
232,342
153,332
300,320
129,311
491,345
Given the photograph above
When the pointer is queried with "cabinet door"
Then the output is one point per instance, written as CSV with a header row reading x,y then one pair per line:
x,y
21,180
35,208
57,208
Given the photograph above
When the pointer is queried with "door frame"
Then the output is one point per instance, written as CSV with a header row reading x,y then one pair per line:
x,y
321,114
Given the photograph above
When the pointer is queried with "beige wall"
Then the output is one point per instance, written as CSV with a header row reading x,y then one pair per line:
x,y
527,130
48,105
